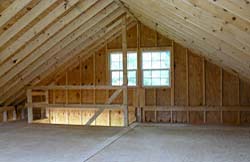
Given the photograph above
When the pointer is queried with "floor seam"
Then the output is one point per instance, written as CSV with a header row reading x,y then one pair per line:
x,y
108,142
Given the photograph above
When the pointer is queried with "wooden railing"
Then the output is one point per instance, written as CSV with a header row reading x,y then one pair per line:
x,y
4,110
203,109
44,91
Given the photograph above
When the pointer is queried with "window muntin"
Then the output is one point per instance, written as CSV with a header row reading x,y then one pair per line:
x,y
156,68
116,68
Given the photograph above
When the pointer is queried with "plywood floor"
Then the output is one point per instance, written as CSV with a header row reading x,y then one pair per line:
x,y
20,142
158,143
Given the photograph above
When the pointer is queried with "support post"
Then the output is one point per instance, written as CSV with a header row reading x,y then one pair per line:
x,y
23,113
172,77
30,108
125,76
221,94
5,117
138,90
14,114
187,88
47,102
204,88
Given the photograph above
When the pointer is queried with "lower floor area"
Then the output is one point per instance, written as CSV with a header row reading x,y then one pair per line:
x,y
22,142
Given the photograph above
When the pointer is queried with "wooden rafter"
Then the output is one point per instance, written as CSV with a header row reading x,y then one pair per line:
x,y
12,10
47,69
25,20
32,46
80,36
179,27
237,7
69,63
72,63
37,28
218,30
224,15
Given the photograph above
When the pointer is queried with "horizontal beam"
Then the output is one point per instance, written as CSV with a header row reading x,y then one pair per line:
x,y
69,87
196,108
77,106
6,108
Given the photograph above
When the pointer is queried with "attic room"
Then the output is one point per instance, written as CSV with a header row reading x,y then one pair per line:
x,y
124,80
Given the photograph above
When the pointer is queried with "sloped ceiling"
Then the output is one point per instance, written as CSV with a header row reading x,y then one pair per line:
x,y
39,37
217,29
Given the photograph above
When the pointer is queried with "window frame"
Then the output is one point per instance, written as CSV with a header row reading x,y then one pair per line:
x,y
132,50
156,49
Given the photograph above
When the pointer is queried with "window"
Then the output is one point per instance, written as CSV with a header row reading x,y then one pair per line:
x,y
156,68
116,68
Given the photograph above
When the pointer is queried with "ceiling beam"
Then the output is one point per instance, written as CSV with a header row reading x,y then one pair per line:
x,y
236,7
72,63
207,22
25,20
15,71
33,31
177,28
96,44
77,45
43,37
159,16
226,16
12,10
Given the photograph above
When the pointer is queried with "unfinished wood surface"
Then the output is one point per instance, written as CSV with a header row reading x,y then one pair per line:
x,y
212,84
180,75
196,29
70,46
230,89
157,97
195,80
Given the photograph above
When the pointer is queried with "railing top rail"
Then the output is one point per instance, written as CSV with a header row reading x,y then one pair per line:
x,y
74,87
6,108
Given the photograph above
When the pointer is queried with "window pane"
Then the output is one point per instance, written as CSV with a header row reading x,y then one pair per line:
x,y
132,78
132,61
156,56
117,78
131,74
156,74
146,60
147,74
132,82
156,65
165,59
164,73
146,65
115,57
147,81
115,66
146,56
156,81
116,61
165,82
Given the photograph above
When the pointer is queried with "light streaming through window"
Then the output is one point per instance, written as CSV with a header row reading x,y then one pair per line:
x,y
116,68
156,68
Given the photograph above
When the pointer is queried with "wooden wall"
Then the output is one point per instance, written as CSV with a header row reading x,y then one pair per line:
x,y
196,82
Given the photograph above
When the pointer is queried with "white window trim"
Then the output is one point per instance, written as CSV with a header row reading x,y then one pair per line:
x,y
156,49
110,51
